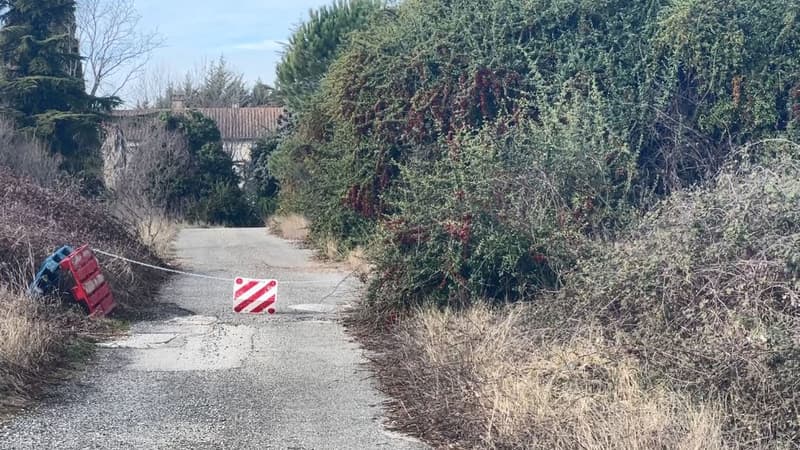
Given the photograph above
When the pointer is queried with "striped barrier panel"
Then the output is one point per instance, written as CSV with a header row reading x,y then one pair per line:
x,y
91,288
255,296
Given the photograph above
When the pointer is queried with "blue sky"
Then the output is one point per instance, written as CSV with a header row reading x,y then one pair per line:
x,y
247,32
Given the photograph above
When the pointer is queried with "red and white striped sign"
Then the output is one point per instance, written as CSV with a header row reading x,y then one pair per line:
x,y
255,296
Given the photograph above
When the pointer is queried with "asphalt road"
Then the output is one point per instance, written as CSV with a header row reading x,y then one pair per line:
x,y
202,377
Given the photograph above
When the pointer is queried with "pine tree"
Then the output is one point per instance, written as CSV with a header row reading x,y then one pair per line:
x,y
315,44
223,87
41,81
263,94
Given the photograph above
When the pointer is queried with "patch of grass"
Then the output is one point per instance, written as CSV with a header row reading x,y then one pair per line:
x,y
31,342
79,350
483,379
293,227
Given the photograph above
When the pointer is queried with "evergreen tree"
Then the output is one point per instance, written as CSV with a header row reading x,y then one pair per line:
x,y
315,44
223,87
41,81
214,85
263,95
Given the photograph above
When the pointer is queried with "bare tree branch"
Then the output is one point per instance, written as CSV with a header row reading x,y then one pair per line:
x,y
116,51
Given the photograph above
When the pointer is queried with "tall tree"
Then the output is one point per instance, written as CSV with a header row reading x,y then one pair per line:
x,y
222,86
115,48
315,44
212,85
41,81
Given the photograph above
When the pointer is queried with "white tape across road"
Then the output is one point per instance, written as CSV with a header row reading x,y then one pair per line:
x,y
207,277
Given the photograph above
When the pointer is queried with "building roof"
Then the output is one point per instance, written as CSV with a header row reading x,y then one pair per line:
x,y
235,124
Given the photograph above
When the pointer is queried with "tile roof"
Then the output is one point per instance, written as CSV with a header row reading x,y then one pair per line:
x,y
235,124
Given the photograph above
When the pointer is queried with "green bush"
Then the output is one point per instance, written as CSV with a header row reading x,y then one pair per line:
x,y
260,186
209,191
315,179
505,213
681,85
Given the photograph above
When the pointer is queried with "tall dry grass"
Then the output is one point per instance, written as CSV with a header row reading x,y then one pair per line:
x,y
293,227
483,379
27,157
30,343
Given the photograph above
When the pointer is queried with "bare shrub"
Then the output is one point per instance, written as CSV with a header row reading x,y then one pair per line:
x,y
142,166
483,379
35,221
705,292
26,157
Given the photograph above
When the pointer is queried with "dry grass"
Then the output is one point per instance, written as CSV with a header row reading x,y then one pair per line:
x,y
293,227
30,343
358,261
477,379
27,157
38,336
158,233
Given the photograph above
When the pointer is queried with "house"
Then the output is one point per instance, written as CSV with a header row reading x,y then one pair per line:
x,y
240,128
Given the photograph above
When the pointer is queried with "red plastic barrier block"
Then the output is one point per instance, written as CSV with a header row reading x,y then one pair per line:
x,y
91,287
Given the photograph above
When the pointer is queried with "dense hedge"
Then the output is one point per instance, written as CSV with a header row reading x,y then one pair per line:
x,y
568,152
674,85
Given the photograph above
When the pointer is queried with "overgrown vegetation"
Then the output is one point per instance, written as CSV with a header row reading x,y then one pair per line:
x,y
482,379
626,169
209,190
39,334
705,292
42,85
314,45
174,167
260,186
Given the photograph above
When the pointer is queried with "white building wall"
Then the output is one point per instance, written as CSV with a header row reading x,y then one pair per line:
x,y
238,150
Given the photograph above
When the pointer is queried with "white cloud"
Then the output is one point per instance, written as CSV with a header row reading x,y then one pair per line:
x,y
265,45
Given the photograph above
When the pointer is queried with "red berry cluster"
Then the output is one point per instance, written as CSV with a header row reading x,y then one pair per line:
x,y
460,230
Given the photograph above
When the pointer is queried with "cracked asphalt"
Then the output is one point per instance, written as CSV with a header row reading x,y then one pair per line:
x,y
202,377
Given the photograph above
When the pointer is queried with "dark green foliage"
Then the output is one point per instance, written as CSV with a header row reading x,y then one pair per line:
x,y
260,185
720,74
225,204
314,45
315,178
218,86
41,81
504,214
209,191
432,70
263,95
